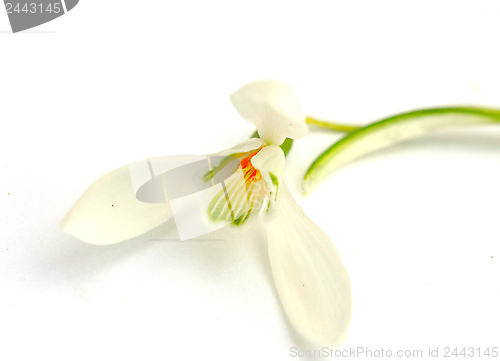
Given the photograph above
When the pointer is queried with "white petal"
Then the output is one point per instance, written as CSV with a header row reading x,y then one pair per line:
x,y
311,280
270,161
273,108
108,211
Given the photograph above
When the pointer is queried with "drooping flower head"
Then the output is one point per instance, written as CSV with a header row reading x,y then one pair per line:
x,y
275,110
310,278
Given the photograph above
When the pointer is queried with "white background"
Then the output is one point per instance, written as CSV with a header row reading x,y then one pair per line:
x,y
113,82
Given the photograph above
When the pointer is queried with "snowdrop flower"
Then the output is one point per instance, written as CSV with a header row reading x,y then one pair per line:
x,y
310,278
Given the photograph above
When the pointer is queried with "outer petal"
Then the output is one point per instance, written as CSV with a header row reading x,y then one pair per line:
x,y
108,211
274,109
311,280
270,161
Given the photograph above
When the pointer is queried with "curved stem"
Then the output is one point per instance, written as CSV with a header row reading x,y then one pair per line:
x,y
392,130
343,128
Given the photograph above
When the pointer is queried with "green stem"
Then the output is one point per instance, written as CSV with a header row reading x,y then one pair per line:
x,y
343,128
392,130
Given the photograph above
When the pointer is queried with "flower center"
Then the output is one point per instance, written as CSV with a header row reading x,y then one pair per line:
x,y
240,197
250,173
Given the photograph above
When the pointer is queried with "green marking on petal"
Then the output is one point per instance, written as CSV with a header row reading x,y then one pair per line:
x,y
235,203
276,183
239,221
229,203
274,179
392,130
215,207
254,205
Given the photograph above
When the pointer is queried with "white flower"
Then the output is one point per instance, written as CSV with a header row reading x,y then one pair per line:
x,y
311,280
